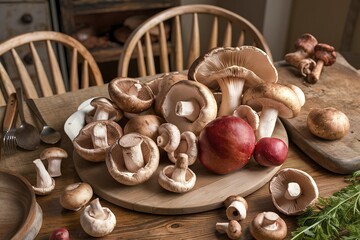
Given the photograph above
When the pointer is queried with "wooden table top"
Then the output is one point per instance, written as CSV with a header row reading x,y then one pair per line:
x,y
137,225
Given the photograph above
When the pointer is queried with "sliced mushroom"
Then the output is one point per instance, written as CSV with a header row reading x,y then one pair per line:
x,y
133,159
177,178
268,226
197,95
76,195
231,228
104,109
273,100
231,69
236,207
95,138
188,145
248,114
146,125
54,156
168,137
130,95
292,191
97,221
45,184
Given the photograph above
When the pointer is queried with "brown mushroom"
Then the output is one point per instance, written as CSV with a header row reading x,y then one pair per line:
x,y
54,156
236,207
104,109
95,138
324,55
273,100
133,159
268,226
232,69
248,114
188,145
231,228
177,178
168,137
130,95
76,195
45,184
190,111
292,191
146,125
328,123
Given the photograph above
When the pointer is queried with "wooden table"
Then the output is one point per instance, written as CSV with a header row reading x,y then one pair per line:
x,y
136,225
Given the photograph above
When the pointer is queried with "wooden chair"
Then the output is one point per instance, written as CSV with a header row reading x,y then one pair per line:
x,y
227,29
42,76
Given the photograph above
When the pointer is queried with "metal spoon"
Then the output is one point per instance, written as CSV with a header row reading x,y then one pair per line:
x,y
47,134
27,136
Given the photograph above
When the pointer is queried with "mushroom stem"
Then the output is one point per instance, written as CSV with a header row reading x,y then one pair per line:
x,y
306,66
314,76
267,122
270,221
294,58
181,165
236,210
99,136
231,93
169,137
248,114
54,167
96,210
101,114
132,153
188,109
232,229
293,191
43,179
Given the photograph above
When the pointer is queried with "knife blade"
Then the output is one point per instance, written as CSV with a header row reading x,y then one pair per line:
x,y
10,112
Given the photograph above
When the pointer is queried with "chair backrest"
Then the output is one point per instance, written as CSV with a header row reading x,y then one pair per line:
x,y
226,29
44,76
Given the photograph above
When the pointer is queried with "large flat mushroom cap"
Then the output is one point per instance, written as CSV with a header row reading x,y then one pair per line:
x,y
235,61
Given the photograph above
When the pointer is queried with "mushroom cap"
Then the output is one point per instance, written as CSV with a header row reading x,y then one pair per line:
x,y
169,137
116,165
273,95
107,104
278,186
233,198
146,125
83,144
260,232
44,190
328,123
53,152
76,195
189,145
306,42
326,53
233,62
130,95
197,92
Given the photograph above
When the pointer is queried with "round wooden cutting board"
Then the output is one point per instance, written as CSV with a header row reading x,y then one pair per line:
x,y
209,192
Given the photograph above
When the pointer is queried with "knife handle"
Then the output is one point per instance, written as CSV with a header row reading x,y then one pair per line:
x,y
10,112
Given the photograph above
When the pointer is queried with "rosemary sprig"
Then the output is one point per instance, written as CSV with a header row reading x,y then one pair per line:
x,y
335,217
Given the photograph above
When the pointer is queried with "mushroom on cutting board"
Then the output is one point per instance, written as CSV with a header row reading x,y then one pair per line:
x,y
97,221
268,226
95,138
328,123
232,69
248,114
76,195
236,207
168,137
273,100
45,184
188,145
104,109
324,55
190,111
231,228
177,178
146,125
133,159
130,95
54,156
292,191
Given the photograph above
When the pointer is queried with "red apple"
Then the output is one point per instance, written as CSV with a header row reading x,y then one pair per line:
x,y
226,144
270,151
59,234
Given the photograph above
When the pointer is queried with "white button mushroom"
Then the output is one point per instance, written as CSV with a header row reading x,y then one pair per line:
x,y
44,183
268,226
76,195
54,156
97,221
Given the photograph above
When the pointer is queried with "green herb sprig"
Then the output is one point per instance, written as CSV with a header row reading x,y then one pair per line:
x,y
335,217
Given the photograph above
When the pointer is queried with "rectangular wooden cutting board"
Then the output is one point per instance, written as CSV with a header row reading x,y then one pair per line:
x,y
338,87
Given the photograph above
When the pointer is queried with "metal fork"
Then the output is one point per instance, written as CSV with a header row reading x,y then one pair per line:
x,y
9,139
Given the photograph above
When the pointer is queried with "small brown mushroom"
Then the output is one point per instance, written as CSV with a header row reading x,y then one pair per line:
x,y
54,156
236,207
328,123
231,228
133,159
44,183
97,221
146,125
104,109
168,137
248,114
324,55
292,191
188,145
268,226
76,195
177,178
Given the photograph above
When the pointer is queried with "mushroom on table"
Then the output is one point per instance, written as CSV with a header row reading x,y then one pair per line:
x,y
232,229
45,184
76,195
236,207
54,156
268,226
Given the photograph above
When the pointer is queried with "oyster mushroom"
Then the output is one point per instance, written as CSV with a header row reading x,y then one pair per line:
x,y
236,207
76,195
268,226
188,145
133,159
190,111
146,125
97,221
104,109
130,95
177,178
54,156
231,228
232,69
95,138
292,191
273,100
45,184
